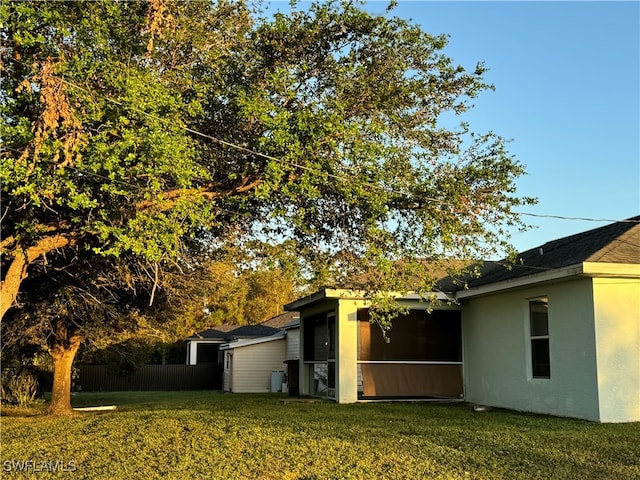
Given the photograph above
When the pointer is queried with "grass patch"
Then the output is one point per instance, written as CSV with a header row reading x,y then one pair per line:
x,y
208,435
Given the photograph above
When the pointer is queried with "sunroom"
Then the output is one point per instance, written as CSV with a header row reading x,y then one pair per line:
x,y
345,357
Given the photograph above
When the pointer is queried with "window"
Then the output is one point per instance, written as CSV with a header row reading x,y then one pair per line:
x,y
539,334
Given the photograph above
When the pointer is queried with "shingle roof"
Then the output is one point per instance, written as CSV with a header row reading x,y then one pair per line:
x,y
281,320
615,243
229,332
247,331
244,331
210,334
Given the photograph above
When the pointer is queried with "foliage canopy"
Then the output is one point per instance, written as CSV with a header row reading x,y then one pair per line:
x,y
137,135
133,128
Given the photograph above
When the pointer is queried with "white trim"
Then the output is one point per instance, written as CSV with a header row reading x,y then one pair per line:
x,y
547,276
341,294
408,362
619,270
206,340
253,341
590,269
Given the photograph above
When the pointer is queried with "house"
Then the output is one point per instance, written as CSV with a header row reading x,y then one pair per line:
x,y
260,364
249,354
557,333
204,347
248,364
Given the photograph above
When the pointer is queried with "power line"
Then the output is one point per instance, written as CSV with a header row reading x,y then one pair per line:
x,y
311,169
583,219
330,175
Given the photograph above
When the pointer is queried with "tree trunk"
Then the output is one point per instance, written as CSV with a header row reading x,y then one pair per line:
x,y
63,354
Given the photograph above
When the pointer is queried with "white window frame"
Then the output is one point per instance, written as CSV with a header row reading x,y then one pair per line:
x,y
531,338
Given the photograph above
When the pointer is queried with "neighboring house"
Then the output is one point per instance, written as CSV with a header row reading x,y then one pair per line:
x,y
248,364
248,353
204,347
293,339
558,333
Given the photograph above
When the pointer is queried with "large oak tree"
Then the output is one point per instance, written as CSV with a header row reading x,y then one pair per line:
x,y
134,130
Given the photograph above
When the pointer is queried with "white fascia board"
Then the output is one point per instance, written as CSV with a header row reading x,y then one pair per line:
x,y
618,270
324,294
206,340
347,294
543,277
304,301
253,341
413,296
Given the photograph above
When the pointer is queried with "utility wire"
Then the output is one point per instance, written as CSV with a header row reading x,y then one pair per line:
x,y
310,169
330,175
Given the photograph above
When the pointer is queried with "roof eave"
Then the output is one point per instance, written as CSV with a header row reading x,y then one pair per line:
x,y
340,294
586,269
548,276
618,270
254,341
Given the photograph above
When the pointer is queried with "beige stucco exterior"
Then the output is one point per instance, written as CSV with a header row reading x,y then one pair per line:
x,y
347,350
594,337
594,342
617,333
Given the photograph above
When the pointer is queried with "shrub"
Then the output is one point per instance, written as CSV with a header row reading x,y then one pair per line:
x,y
20,386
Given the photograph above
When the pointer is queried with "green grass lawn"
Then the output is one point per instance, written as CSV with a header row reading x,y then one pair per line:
x,y
208,435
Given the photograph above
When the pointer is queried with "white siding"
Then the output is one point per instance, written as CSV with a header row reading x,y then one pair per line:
x,y
293,344
252,365
497,365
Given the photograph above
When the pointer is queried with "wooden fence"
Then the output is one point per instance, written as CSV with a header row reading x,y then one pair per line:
x,y
100,378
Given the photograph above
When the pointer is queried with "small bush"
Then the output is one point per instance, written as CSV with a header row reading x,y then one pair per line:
x,y
20,386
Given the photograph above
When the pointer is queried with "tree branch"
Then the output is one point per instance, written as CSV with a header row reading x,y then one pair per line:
x,y
22,258
172,196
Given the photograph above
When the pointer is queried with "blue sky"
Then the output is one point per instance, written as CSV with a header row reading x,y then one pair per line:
x,y
567,78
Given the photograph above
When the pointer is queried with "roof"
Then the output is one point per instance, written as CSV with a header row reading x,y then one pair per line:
x,y
209,334
236,332
282,320
279,335
615,243
252,331
293,324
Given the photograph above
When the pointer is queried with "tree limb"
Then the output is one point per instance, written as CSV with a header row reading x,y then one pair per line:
x,y
22,258
172,196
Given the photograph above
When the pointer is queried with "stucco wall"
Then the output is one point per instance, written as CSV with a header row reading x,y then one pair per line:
x,y
496,346
251,366
347,351
617,316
